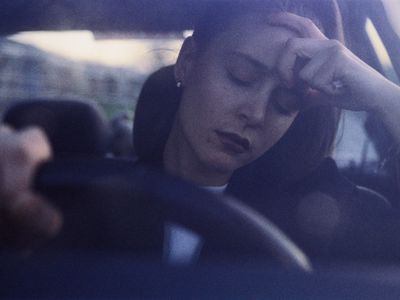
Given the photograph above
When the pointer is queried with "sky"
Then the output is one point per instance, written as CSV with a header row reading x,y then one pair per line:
x,y
82,45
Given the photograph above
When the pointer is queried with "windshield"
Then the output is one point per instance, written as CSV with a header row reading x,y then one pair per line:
x,y
110,68
244,136
106,68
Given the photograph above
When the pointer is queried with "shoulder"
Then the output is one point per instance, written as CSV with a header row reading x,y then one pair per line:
x,y
328,179
324,195
323,212
325,179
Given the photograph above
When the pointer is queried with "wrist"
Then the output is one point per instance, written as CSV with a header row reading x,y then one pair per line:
x,y
388,111
387,104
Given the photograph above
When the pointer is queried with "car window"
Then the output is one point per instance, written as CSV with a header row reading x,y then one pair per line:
x,y
106,68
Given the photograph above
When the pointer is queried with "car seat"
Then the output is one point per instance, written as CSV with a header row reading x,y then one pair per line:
x,y
155,111
74,127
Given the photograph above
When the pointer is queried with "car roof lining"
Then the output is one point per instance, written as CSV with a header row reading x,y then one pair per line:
x,y
151,16
141,16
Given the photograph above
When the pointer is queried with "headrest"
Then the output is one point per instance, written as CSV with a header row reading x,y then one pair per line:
x,y
121,143
155,113
74,128
158,103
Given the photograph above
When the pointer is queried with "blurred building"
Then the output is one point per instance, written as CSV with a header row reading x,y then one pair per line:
x,y
28,72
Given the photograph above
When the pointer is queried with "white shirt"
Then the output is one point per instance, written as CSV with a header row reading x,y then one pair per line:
x,y
182,245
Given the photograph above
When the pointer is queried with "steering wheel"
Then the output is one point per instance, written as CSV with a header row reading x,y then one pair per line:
x,y
120,197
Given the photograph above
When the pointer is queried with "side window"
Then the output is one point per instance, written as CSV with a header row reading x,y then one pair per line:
x,y
363,144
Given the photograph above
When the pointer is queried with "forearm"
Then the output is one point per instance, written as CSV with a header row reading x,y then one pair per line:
x,y
388,111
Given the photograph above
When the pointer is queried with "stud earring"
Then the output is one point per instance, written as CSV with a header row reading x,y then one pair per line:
x,y
179,84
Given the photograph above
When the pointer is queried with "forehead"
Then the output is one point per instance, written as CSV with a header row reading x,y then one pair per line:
x,y
252,35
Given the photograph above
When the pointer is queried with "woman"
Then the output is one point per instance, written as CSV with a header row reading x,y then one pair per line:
x,y
256,78
257,108
307,54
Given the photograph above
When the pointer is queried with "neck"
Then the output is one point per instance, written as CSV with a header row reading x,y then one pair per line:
x,y
181,161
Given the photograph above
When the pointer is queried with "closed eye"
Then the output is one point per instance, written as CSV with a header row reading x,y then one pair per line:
x,y
243,71
285,101
239,80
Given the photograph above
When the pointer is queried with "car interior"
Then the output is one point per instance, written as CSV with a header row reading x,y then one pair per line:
x,y
100,118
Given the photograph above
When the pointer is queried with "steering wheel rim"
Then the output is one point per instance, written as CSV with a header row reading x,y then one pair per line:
x,y
216,218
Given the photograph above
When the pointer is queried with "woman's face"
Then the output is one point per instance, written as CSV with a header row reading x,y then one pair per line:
x,y
234,105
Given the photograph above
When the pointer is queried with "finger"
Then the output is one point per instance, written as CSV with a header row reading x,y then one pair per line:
x,y
324,79
320,74
21,152
36,140
303,26
312,93
5,130
315,98
294,49
326,75
32,214
30,144
321,93
311,68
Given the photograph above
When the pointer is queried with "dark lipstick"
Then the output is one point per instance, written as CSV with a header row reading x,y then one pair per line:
x,y
234,142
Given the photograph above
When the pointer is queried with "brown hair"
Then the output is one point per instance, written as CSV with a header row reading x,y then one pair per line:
x,y
324,13
310,138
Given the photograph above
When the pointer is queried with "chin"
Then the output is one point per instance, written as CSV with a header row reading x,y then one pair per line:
x,y
223,163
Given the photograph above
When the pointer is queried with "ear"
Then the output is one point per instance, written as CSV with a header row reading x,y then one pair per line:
x,y
185,61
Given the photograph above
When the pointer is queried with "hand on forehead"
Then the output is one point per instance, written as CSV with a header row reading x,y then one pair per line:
x,y
298,53
304,27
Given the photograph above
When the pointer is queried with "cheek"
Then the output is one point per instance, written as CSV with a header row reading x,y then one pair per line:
x,y
199,107
274,130
201,111
207,98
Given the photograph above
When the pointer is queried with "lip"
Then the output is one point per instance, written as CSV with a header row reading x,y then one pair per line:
x,y
233,142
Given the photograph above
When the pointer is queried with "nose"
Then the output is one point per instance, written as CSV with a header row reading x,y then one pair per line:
x,y
254,107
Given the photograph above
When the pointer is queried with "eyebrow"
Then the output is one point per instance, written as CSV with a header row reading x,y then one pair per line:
x,y
255,62
300,100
